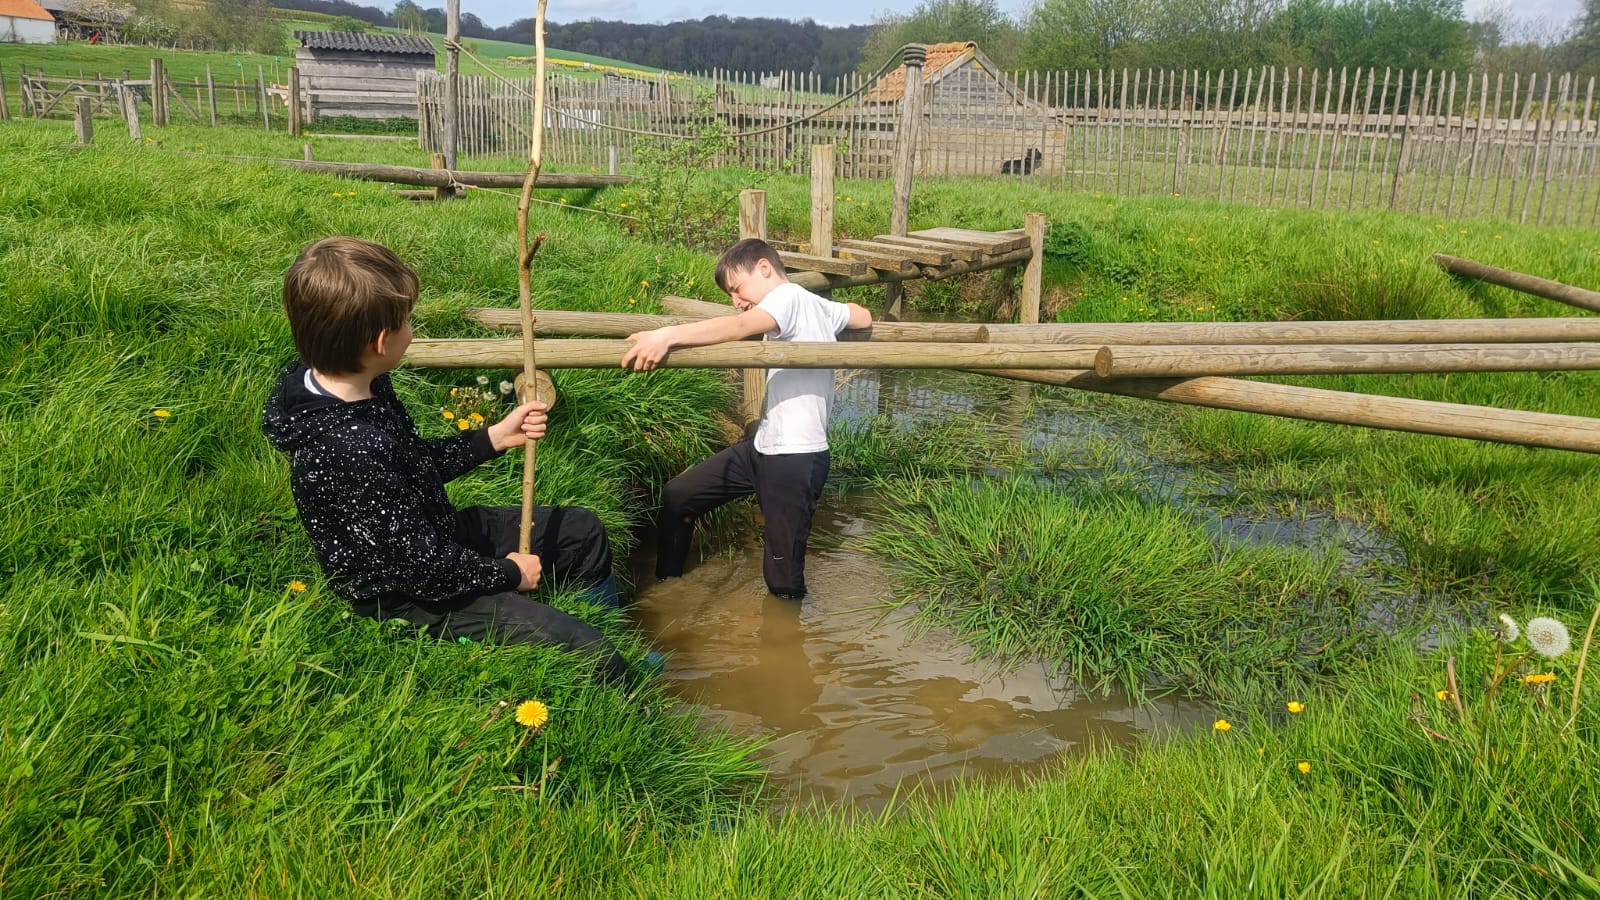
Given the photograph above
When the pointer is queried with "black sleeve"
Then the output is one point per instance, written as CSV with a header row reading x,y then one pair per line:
x,y
371,529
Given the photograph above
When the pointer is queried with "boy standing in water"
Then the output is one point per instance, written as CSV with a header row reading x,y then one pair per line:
x,y
370,490
786,463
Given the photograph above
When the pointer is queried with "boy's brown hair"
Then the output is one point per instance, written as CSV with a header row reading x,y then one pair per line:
x,y
743,256
339,294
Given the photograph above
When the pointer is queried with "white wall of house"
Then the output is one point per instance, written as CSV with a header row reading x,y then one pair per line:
x,y
18,30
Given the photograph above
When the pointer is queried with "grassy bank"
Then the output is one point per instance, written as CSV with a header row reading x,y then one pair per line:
x,y
180,718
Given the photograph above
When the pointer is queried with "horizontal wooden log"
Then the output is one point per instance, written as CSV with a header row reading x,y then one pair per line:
x,y
817,281
956,251
1398,331
926,256
577,353
564,323
1483,423
992,243
1187,361
881,261
443,178
1520,281
807,262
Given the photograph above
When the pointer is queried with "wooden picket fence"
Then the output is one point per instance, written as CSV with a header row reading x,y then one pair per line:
x,y
1522,147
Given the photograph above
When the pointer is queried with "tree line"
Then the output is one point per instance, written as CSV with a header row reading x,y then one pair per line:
x,y
1228,34
1050,35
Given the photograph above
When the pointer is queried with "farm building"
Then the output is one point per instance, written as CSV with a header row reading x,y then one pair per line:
x,y
25,22
978,120
367,76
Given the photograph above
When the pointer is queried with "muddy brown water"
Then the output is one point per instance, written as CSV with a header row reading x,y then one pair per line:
x,y
857,705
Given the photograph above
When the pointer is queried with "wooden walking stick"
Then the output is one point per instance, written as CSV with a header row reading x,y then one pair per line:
x,y
525,254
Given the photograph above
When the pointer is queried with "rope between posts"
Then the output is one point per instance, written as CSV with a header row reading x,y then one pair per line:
x,y
871,80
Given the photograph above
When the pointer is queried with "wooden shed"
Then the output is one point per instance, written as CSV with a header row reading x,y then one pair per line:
x,y
25,22
367,76
978,120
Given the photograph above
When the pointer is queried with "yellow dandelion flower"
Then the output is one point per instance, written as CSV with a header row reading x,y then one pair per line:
x,y
1222,725
1497,237
1261,751
643,283
1295,707
297,586
1304,767
453,391
1443,695
463,424
337,194
1539,678
162,414
632,301
1463,231
691,282
847,199
563,199
532,714
622,206
475,417
447,414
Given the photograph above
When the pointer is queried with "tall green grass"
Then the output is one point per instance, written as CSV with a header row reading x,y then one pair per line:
x,y
180,721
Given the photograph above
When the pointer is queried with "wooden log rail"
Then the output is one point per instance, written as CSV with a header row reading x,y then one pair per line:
x,y
445,178
1483,423
1398,331
578,353
1191,360
1520,281
564,323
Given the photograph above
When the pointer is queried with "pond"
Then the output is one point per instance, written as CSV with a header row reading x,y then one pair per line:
x,y
859,705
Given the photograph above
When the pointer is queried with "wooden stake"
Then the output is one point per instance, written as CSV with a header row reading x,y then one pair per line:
x,y
525,253
1033,274
83,122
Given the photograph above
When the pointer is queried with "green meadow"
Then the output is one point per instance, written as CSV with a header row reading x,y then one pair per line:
x,y
186,709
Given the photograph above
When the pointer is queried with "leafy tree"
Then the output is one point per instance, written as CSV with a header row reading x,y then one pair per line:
x,y
1422,34
349,24
1582,53
941,21
409,17
1083,34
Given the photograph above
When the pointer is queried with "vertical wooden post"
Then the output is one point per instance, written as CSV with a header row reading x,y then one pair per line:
x,y
1033,275
156,96
22,88
438,161
1185,124
261,97
294,101
211,95
612,156
905,159
130,112
5,106
822,199
305,151
83,122
752,224
452,89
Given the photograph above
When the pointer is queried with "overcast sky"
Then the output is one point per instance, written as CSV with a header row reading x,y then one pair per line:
x,y
840,12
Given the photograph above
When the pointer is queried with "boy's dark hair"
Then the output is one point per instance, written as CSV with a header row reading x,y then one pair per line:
x,y
743,256
339,294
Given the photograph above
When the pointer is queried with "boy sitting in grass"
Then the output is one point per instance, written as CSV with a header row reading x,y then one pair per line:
x,y
786,463
370,490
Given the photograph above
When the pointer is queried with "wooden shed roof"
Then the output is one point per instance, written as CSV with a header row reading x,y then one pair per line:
x,y
365,43
942,60
24,9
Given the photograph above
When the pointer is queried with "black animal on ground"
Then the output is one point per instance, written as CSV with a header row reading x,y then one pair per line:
x,y
1023,166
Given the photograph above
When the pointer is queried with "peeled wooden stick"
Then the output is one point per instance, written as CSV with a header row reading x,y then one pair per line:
x,y
525,254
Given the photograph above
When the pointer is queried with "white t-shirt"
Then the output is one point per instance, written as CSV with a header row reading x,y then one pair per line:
x,y
798,400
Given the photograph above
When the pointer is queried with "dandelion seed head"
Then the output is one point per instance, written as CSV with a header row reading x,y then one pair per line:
x,y
1507,631
507,387
1548,637
483,379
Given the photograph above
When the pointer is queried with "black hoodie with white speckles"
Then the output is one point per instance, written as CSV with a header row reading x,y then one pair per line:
x,y
371,495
